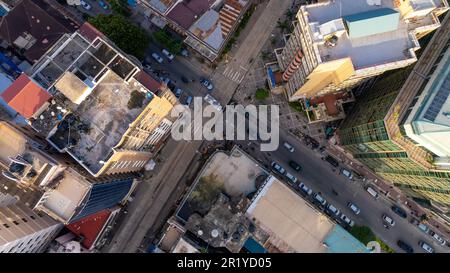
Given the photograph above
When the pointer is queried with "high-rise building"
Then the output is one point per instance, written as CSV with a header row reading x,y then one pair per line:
x,y
24,231
95,103
336,45
400,129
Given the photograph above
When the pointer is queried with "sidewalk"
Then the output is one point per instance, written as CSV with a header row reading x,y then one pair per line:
x,y
388,189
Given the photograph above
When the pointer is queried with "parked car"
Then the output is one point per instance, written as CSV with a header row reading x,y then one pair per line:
x,y
85,5
103,5
336,212
188,101
288,147
178,92
184,79
184,52
157,58
320,199
305,189
423,228
347,173
388,220
168,54
212,101
407,248
294,165
372,192
207,84
426,247
148,67
347,220
437,238
291,178
400,212
353,208
278,168
333,161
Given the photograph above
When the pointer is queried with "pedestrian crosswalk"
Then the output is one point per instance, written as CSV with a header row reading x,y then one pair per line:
x,y
235,74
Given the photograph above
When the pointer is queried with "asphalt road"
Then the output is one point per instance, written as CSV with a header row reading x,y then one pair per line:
x,y
323,178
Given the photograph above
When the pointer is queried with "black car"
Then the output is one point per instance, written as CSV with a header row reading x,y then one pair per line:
x,y
184,79
400,212
333,161
407,248
295,166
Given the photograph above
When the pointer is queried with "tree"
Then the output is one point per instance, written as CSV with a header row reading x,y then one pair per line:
x,y
261,94
128,37
164,39
136,99
120,7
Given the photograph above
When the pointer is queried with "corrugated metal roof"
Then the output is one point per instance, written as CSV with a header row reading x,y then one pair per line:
x,y
371,22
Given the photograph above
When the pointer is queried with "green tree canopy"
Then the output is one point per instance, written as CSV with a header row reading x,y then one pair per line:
x,y
128,37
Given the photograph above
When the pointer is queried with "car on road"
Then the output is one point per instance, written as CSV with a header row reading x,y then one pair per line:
x,y
294,165
320,199
184,79
103,5
288,147
305,189
212,101
438,238
168,54
277,167
399,211
336,212
347,220
148,67
206,84
85,5
157,58
406,247
372,192
291,178
347,173
178,92
388,220
423,228
333,161
353,208
426,247
188,101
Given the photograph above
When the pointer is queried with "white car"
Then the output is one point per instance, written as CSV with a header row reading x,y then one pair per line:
x,y
291,178
426,247
437,238
388,220
347,173
305,189
157,58
168,54
347,220
320,199
85,5
208,98
354,208
289,147
336,212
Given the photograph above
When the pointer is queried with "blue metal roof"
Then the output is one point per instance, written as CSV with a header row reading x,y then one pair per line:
x,y
271,76
254,247
340,241
371,22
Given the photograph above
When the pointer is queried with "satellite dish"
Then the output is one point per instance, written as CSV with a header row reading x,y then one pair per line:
x,y
214,233
200,232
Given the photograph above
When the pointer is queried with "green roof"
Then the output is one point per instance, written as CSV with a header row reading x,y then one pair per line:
x,y
371,22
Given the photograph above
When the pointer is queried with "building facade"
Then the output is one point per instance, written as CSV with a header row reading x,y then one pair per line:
x,y
24,231
336,45
400,129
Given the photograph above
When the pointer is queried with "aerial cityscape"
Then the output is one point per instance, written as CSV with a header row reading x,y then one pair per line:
x,y
224,126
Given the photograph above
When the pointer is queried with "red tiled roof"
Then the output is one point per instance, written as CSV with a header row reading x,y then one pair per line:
x,y
148,81
25,96
89,32
90,227
187,12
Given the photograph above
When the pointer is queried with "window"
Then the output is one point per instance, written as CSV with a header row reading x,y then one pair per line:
x,y
25,220
6,225
32,217
16,223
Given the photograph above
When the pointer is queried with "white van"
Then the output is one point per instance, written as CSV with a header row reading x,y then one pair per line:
x,y
372,192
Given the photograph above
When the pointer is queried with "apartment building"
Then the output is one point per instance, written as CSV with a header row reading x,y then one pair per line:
x,y
92,101
339,44
24,231
401,128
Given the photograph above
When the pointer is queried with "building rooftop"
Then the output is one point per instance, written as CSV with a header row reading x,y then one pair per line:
x,y
294,225
162,5
90,227
185,13
369,34
34,26
26,97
